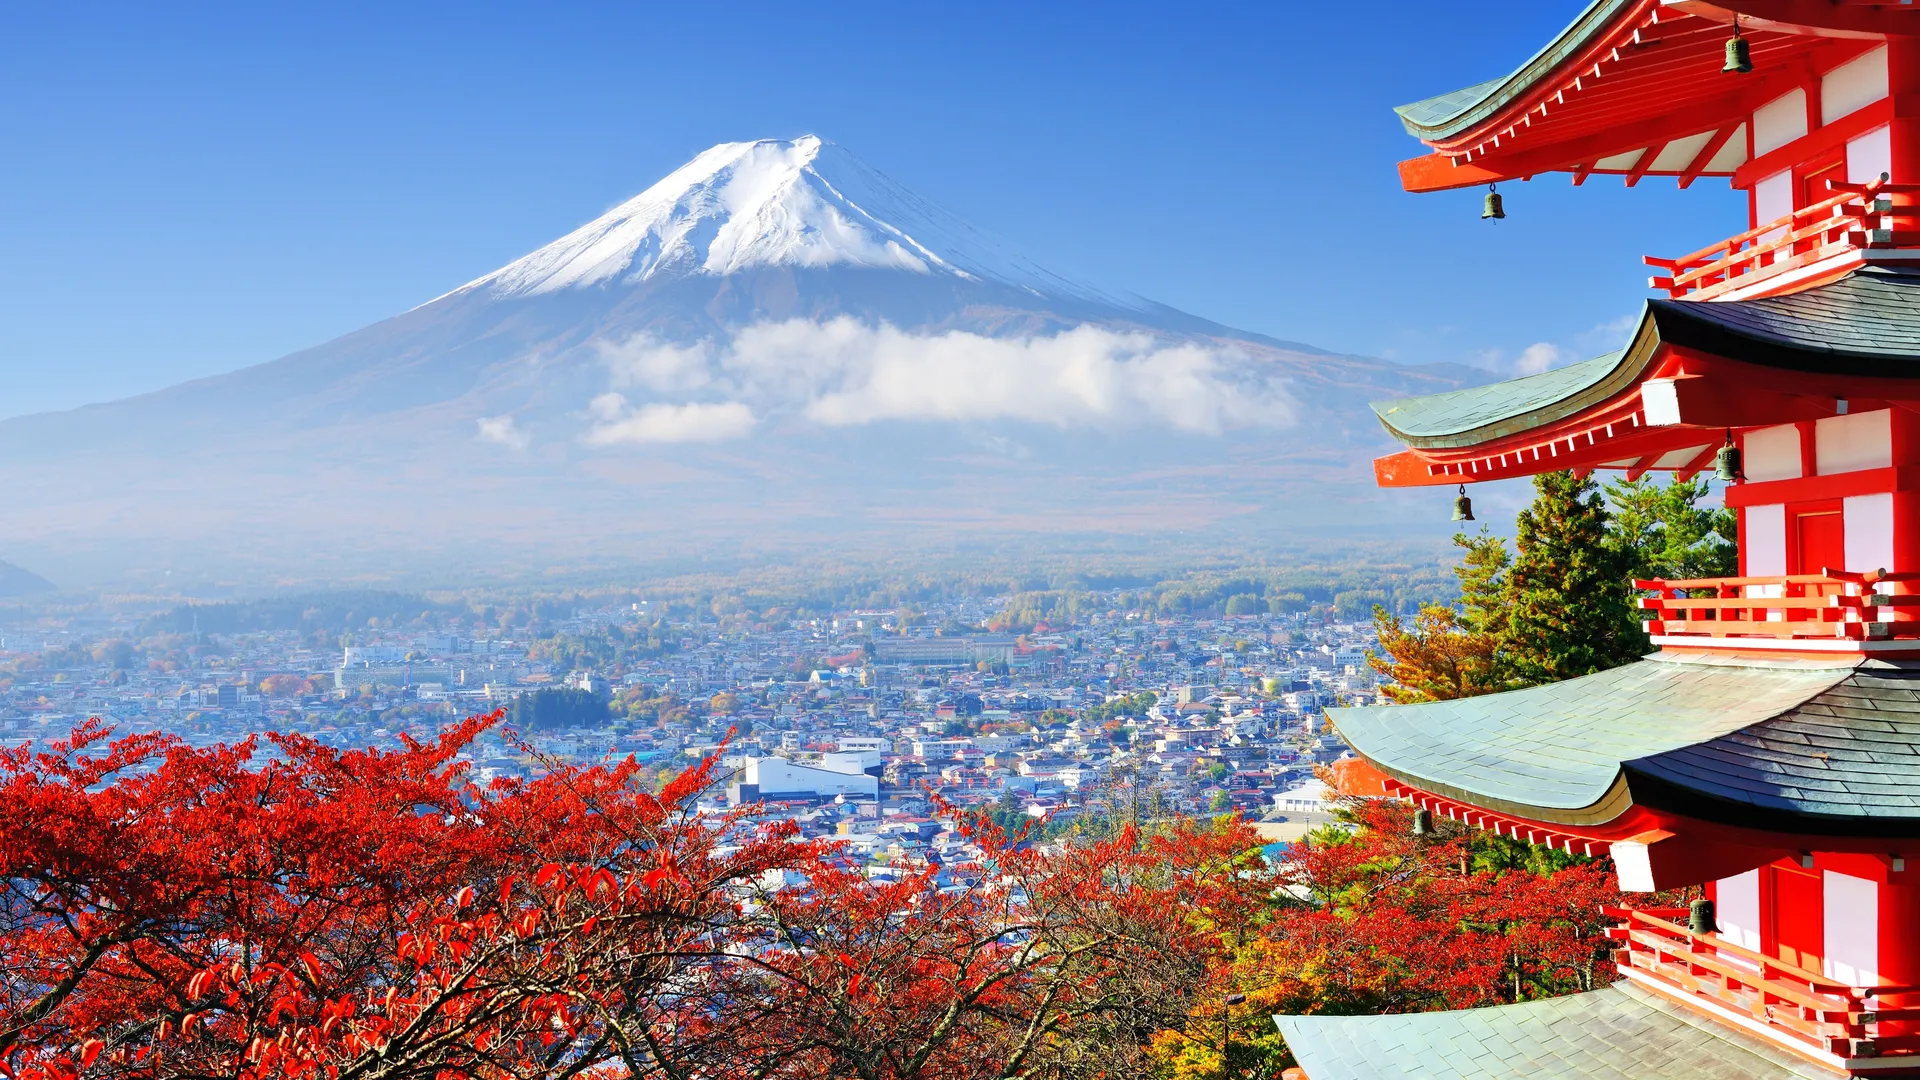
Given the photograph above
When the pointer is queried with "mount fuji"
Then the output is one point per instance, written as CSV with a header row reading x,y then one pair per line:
x,y
775,345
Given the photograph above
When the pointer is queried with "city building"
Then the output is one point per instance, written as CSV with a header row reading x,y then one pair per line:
x,y
1769,752
778,779
943,651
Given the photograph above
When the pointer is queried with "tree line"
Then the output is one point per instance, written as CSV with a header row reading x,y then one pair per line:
x,y
1560,603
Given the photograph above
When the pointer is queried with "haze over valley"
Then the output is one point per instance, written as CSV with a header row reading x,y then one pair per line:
x,y
772,348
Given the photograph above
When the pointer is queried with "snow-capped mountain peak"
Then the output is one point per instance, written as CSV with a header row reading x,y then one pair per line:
x,y
800,203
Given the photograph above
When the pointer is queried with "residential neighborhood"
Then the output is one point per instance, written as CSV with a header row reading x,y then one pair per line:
x,y
852,724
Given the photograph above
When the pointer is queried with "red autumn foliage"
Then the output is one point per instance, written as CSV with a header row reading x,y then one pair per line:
x,y
1385,921
176,912
173,912
1043,963
1379,920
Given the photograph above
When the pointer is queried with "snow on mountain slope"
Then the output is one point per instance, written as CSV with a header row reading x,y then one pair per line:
x,y
773,345
801,203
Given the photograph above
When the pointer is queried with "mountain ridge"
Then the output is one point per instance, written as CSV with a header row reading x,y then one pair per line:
x,y
771,202
706,374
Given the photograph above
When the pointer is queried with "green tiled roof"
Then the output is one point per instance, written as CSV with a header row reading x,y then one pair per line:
x,y
1555,753
1438,110
1458,412
1866,323
1451,113
1620,1033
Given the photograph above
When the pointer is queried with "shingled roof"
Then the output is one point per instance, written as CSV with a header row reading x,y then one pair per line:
x,y
1451,113
1620,1033
1865,323
1793,745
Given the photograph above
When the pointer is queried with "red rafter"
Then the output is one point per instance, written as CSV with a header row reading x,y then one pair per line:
x,y
1638,87
1645,162
1700,461
1646,82
1714,146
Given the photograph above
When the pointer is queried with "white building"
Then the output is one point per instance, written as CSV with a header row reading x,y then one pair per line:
x,y
1307,798
852,761
778,778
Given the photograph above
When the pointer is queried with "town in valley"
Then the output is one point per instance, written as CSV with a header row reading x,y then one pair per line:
x,y
855,722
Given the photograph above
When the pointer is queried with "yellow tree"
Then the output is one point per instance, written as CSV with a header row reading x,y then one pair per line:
x,y
1436,658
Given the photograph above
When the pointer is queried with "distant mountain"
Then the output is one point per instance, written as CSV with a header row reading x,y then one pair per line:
x,y
774,345
17,582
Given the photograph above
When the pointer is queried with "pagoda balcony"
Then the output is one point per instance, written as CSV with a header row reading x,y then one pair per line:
x,y
1832,608
1800,1009
1876,222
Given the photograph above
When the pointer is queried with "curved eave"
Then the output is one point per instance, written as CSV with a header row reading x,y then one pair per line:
x,y
1611,817
1575,753
1860,327
1885,345
1632,89
1610,807
1527,411
1450,115
1657,793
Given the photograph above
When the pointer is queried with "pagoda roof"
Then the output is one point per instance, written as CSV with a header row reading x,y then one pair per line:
x,y
1634,88
1445,115
1477,413
1800,746
1619,1033
1866,323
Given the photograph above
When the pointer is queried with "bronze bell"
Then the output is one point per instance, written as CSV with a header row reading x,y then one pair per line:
x,y
1700,918
1462,506
1494,210
1423,822
1726,463
1739,56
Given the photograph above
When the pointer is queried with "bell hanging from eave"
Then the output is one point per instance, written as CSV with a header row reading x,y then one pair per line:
x,y
1739,55
1726,463
1493,211
1462,506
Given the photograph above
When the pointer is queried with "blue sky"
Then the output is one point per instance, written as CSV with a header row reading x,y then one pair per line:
x,y
192,189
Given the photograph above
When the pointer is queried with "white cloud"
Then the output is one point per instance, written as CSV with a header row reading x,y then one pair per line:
x,y
645,361
856,374
843,372
657,423
502,430
1601,338
1538,357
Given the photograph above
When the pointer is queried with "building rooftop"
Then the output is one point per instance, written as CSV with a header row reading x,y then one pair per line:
x,y
1802,746
1619,1033
1866,323
1632,87
1457,111
1435,419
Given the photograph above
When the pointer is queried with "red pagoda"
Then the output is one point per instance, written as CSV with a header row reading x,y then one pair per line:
x,y
1770,750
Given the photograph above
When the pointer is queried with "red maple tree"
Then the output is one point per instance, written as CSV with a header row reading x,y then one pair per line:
x,y
284,908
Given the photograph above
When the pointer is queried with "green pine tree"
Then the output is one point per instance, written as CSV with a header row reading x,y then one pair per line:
x,y
1665,532
1569,602
1483,582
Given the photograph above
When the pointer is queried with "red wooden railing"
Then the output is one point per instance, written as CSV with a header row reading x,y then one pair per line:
x,y
1830,604
1798,1006
1858,218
